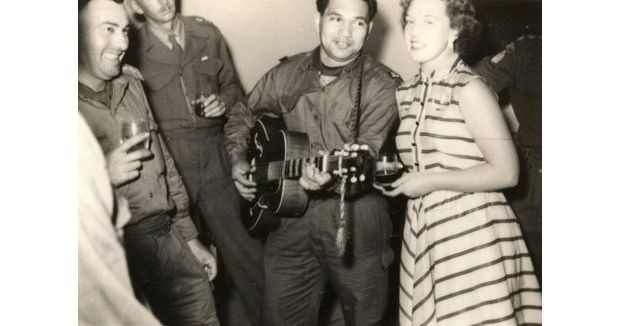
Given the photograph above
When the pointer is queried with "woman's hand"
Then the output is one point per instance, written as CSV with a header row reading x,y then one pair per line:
x,y
412,185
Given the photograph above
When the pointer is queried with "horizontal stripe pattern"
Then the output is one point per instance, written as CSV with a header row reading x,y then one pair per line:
x,y
463,257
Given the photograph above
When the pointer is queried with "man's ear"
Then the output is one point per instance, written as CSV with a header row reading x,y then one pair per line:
x,y
136,7
369,29
317,21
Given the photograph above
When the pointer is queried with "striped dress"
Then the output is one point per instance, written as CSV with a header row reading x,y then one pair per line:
x,y
464,260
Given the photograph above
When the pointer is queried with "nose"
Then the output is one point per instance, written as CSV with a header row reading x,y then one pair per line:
x,y
346,30
121,41
413,29
166,3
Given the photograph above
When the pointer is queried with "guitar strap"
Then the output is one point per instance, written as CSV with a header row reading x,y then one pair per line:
x,y
343,218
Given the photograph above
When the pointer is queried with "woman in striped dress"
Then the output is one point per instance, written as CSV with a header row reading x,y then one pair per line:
x,y
464,260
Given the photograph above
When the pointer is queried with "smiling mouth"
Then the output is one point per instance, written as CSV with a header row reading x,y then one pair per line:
x,y
342,45
416,45
114,56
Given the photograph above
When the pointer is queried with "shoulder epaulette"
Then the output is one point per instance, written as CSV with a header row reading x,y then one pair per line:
x,y
201,20
132,71
395,75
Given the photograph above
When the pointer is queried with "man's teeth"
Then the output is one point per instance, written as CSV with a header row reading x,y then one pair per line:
x,y
112,56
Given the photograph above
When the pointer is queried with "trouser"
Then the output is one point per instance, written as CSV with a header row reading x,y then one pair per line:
x,y
526,202
301,256
202,162
167,273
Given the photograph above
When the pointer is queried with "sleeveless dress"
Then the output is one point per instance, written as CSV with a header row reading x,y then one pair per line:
x,y
463,260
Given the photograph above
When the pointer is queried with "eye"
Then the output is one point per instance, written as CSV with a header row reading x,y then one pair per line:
x,y
109,29
429,21
335,19
409,21
361,23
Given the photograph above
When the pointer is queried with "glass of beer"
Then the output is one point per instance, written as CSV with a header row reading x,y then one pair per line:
x,y
133,127
387,169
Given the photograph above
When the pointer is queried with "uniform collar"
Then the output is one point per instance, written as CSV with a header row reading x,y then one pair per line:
x,y
118,88
162,34
313,63
196,36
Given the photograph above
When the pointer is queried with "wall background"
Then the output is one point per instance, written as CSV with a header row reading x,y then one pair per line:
x,y
259,32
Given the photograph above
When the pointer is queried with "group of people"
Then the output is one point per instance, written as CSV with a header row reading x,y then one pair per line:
x,y
464,260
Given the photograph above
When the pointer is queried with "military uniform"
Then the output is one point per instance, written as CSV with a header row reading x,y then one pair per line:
x,y
172,82
518,70
159,227
301,256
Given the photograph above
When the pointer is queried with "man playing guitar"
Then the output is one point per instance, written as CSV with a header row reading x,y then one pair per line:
x,y
333,94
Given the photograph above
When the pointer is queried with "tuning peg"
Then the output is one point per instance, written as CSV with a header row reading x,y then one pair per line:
x,y
354,180
353,169
362,178
364,147
347,147
355,147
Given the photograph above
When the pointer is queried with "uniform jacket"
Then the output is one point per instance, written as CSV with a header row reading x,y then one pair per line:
x,y
159,189
293,90
518,68
206,66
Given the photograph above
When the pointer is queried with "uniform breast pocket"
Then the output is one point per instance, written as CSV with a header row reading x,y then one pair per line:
x,y
207,72
156,78
209,67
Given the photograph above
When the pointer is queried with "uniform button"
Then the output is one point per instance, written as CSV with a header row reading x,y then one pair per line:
x,y
347,124
417,123
413,144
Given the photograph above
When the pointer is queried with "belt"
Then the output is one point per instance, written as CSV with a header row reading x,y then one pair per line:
x,y
149,225
191,132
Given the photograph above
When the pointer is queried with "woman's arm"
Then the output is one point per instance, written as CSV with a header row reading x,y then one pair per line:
x,y
486,124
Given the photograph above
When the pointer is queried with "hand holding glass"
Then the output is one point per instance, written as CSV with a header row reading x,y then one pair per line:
x,y
387,170
133,127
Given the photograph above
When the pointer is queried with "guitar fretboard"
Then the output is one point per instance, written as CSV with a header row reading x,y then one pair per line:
x,y
292,168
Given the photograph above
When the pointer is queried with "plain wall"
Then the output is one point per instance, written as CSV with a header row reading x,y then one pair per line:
x,y
259,32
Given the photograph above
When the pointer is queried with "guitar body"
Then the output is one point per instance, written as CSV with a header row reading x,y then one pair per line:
x,y
276,196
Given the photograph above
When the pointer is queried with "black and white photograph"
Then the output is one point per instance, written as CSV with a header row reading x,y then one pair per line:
x,y
309,162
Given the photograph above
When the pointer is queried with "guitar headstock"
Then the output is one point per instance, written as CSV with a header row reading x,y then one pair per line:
x,y
354,163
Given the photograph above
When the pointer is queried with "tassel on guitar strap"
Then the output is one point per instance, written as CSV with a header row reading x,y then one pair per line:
x,y
341,233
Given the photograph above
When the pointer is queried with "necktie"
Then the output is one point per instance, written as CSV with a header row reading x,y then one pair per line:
x,y
176,47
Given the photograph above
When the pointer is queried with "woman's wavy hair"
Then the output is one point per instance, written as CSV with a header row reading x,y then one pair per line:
x,y
462,15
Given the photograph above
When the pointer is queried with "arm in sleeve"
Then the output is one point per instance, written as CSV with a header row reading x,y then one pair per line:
x,y
230,87
182,221
498,69
242,116
379,113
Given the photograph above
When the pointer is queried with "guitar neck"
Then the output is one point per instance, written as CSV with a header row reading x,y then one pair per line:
x,y
292,169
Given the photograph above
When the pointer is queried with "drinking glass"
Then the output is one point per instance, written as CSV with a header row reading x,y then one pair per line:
x,y
387,169
133,127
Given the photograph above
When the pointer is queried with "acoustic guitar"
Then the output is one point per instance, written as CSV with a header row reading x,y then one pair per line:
x,y
279,157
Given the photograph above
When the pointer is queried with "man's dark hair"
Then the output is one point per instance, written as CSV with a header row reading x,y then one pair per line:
x,y
83,3
372,7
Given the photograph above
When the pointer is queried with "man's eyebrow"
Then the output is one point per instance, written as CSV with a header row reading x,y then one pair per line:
x,y
110,23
